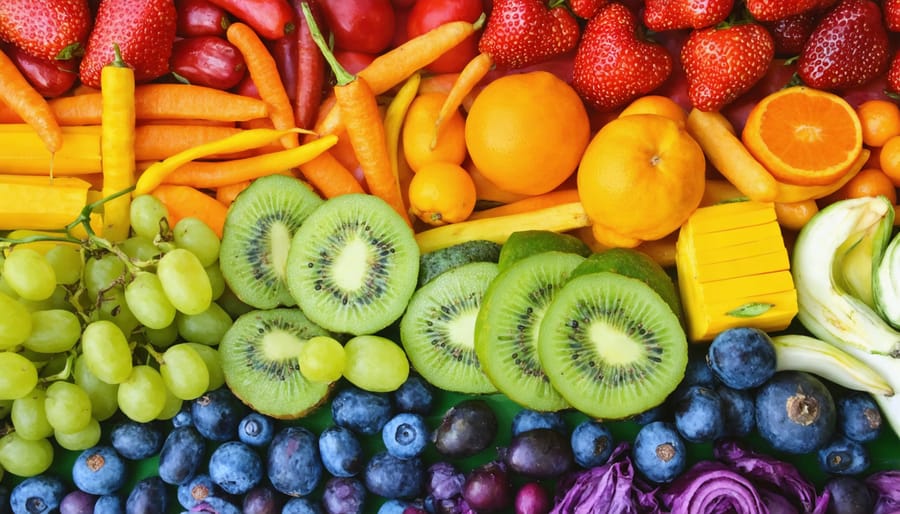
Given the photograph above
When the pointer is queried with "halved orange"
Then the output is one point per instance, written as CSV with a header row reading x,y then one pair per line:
x,y
804,136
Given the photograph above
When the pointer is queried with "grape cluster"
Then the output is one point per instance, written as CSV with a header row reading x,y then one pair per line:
x,y
90,328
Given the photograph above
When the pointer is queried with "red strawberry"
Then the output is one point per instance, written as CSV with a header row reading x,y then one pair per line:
x,y
524,32
721,64
586,9
791,33
893,74
848,47
48,29
144,31
891,10
614,64
662,15
771,10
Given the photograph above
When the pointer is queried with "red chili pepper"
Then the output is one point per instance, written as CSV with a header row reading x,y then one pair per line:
x,y
208,61
200,18
284,51
271,19
49,78
310,66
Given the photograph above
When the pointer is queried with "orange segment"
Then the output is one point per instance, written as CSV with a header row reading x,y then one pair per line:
x,y
804,136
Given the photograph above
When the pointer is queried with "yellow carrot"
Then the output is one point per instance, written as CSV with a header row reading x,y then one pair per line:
x,y
117,145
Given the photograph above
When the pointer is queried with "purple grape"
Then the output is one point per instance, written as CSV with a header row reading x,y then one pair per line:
x,y
77,502
488,488
466,429
539,453
262,499
532,499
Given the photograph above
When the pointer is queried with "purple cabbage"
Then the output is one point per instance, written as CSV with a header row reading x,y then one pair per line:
x,y
443,481
886,485
712,487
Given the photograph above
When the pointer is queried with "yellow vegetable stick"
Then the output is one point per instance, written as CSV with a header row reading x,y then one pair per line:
x,y
40,203
117,120
23,152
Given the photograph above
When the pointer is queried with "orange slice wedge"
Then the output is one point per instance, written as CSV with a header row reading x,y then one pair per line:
x,y
804,136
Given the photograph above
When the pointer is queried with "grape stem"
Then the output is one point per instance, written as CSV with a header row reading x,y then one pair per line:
x,y
64,373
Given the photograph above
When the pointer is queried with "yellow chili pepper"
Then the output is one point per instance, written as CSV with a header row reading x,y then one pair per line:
x,y
23,152
393,118
117,121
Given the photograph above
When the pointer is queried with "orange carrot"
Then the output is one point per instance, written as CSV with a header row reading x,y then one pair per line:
x,y
474,71
264,72
551,199
188,121
157,142
23,98
227,193
186,201
327,175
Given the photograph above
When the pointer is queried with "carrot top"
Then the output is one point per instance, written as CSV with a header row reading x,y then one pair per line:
x,y
342,76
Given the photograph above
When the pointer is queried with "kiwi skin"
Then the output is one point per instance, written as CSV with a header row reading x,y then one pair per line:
x,y
434,263
524,243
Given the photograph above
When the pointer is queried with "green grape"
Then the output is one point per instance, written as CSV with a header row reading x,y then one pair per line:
x,y
15,323
100,273
67,263
210,357
23,457
163,337
322,359
82,439
5,408
140,248
208,327
104,400
194,235
53,331
233,305
184,372
172,406
28,415
29,274
5,289
146,214
185,281
106,351
59,299
142,396
18,376
114,308
375,363
68,406
216,280
148,302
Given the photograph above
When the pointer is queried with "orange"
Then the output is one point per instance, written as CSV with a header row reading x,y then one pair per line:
x,y
640,178
880,121
441,193
868,182
889,159
656,104
526,132
804,136
418,134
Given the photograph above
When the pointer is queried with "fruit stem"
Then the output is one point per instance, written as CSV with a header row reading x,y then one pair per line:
x,y
342,76
64,373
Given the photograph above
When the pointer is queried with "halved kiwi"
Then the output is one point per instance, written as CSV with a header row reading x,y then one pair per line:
x,y
259,227
259,356
611,345
438,329
353,265
508,324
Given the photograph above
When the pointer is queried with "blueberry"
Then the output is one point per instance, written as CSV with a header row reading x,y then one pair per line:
x,y
738,414
394,506
414,395
795,412
527,419
364,412
301,506
181,455
99,470
650,415
37,495
659,452
390,477
698,415
136,441
195,490
109,504
344,495
405,435
849,495
858,416
843,456
256,429
592,443
235,467
216,414
742,357
697,372
149,496
341,451
183,417
77,502
217,505
262,499
293,464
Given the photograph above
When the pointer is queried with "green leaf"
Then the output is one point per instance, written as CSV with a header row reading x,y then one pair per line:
x,y
750,310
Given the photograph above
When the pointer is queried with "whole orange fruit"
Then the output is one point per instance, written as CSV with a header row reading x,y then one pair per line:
x,y
526,132
640,178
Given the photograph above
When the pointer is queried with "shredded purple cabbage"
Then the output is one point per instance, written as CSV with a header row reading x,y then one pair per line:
x,y
444,481
886,485
713,488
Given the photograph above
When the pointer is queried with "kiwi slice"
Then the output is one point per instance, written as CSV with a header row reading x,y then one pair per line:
x,y
611,345
259,361
438,329
434,263
524,243
353,265
256,237
508,324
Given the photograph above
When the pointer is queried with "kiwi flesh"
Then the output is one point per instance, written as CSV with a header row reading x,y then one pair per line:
x,y
438,329
432,264
259,227
524,243
508,324
611,345
259,357
353,265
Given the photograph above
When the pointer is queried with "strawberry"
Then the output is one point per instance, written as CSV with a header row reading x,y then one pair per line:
x,y
893,74
144,31
662,15
520,33
613,63
791,33
891,10
848,48
47,29
771,10
722,63
586,9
